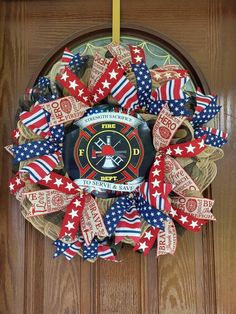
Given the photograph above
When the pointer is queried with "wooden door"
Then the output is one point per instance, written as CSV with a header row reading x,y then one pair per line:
x,y
201,277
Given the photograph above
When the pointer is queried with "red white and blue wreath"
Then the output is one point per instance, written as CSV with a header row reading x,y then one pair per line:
x,y
114,138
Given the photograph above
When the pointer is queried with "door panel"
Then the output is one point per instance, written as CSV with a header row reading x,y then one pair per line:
x,y
201,277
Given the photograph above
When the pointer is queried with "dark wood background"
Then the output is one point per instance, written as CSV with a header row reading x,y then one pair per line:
x,y
201,277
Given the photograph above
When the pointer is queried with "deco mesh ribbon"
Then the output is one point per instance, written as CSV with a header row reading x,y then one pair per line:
x,y
169,194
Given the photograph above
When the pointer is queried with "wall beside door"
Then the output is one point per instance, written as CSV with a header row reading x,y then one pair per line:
x,y
201,277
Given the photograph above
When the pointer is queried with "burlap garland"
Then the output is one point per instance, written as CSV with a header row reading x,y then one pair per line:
x,y
201,168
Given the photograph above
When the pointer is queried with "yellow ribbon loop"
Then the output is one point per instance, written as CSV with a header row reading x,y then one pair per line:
x,y
116,21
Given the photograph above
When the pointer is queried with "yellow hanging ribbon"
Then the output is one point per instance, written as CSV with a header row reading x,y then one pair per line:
x,y
116,21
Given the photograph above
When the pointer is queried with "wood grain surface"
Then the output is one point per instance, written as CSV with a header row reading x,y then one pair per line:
x,y
201,277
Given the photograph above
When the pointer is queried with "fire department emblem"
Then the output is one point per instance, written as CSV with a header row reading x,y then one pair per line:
x,y
109,147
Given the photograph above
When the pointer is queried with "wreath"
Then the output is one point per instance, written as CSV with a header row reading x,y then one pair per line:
x,y
108,151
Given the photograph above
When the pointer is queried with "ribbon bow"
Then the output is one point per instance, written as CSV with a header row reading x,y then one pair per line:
x,y
170,91
47,152
206,109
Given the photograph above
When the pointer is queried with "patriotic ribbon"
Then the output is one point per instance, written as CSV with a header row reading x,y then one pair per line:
x,y
147,240
15,135
60,183
37,121
34,149
129,225
74,209
205,110
186,220
166,240
171,92
43,91
137,54
116,221
214,137
163,75
49,149
66,58
156,190
152,215
101,89
39,168
69,250
72,217
98,249
15,184
115,212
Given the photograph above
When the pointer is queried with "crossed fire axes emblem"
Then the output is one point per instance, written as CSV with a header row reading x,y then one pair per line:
x,y
111,157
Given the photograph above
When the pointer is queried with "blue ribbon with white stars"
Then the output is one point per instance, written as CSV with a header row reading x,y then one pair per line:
x,y
144,88
91,251
76,63
44,90
41,147
152,215
115,212
207,114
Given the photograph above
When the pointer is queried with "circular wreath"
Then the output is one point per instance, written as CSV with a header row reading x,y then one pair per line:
x,y
108,151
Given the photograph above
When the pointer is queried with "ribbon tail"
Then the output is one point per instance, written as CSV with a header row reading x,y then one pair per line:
x,y
147,241
213,137
153,216
115,212
128,226
91,251
72,217
186,220
39,168
37,121
167,239
105,252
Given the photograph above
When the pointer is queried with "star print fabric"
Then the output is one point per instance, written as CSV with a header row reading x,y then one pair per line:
x,y
115,212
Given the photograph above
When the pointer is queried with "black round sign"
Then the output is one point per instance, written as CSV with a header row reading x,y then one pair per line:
x,y
110,147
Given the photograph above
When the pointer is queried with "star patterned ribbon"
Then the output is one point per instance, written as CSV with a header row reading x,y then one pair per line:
x,y
43,91
137,54
101,89
186,220
49,150
74,210
115,212
214,137
147,240
206,109
116,221
98,249
72,217
15,184
156,190
69,250
171,92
